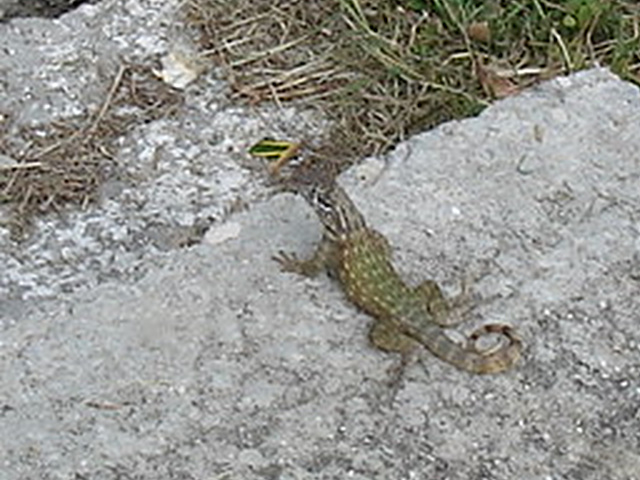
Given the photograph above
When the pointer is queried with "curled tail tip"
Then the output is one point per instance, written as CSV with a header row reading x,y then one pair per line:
x,y
504,358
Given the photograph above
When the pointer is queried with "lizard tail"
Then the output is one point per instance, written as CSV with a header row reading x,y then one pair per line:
x,y
468,357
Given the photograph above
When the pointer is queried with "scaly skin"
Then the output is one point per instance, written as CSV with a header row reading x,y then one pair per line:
x,y
406,316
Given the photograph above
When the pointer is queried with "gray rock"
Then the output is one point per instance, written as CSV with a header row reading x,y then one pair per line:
x,y
123,358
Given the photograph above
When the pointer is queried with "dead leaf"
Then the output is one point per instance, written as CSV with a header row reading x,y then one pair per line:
x,y
479,31
494,84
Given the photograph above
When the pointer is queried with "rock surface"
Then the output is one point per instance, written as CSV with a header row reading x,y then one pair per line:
x,y
125,355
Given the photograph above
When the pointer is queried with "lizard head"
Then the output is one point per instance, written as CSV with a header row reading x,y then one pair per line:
x,y
316,182
334,208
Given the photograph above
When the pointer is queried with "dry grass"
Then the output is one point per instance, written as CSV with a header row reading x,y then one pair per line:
x,y
384,69
65,163
380,69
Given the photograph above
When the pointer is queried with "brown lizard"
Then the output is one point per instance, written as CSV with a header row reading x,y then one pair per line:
x,y
405,316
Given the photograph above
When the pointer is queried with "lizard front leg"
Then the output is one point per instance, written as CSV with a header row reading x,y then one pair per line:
x,y
323,259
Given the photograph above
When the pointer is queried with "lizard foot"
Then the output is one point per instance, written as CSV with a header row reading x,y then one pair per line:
x,y
289,262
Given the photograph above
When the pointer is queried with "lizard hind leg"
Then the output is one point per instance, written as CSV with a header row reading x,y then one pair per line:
x,y
446,313
386,337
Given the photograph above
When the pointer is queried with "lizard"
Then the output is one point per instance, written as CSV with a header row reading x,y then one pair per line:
x,y
405,317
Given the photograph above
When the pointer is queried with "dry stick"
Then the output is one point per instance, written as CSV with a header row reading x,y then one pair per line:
x,y
225,46
56,145
20,166
242,23
282,83
26,198
274,95
355,11
314,67
268,52
563,48
105,106
589,36
9,184
94,125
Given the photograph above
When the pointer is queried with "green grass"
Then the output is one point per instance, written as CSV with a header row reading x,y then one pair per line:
x,y
385,69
